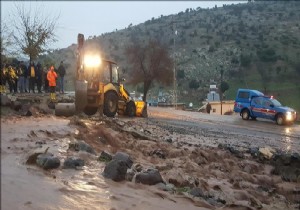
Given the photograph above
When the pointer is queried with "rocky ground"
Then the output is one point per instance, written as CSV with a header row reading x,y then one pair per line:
x,y
129,163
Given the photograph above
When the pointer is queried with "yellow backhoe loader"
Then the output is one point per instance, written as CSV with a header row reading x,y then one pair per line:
x,y
98,86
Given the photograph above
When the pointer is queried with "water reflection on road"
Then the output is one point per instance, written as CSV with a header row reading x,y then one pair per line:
x,y
252,132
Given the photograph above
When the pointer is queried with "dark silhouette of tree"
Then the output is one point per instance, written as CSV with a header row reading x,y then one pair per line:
x,y
180,74
149,63
194,84
33,31
224,87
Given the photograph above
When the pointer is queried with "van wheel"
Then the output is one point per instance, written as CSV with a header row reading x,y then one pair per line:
x,y
245,114
280,119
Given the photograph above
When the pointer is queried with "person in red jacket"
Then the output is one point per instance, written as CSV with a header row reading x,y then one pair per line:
x,y
51,77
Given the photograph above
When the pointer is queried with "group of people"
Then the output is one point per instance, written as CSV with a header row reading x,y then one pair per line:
x,y
21,78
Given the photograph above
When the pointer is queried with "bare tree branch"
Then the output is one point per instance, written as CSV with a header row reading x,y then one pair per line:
x,y
33,31
150,63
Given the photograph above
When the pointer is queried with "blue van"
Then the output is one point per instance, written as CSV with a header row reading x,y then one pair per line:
x,y
254,104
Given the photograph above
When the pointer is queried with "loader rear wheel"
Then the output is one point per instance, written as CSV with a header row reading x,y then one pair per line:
x,y
130,109
110,104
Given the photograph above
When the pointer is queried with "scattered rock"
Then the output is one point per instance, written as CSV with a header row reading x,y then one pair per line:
x,y
124,157
159,153
254,151
28,110
115,170
51,105
149,177
137,167
81,146
197,192
130,174
73,163
165,187
105,157
232,150
16,105
47,161
266,152
32,155
169,140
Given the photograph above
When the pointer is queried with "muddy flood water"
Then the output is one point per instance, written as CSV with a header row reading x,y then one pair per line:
x,y
227,182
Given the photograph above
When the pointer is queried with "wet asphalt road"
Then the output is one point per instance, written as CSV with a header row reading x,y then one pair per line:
x,y
228,129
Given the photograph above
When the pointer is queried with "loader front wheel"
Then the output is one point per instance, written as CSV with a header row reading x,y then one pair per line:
x,y
130,109
110,104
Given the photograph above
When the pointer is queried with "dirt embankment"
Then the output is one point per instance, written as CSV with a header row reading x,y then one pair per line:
x,y
196,176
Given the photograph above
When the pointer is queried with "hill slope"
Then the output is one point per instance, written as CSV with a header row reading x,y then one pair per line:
x,y
256,44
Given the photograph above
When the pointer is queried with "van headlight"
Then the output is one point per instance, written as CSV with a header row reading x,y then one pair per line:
x,y
288,116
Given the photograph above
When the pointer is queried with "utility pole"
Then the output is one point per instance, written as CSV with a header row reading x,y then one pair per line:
x,y
221,96
174,50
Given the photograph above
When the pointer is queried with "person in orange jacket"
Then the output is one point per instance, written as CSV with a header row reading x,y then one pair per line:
x,y
51,77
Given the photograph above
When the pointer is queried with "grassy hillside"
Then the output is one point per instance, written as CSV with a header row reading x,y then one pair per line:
x,y
256,44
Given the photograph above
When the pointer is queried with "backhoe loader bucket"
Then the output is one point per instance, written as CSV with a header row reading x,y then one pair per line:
x,y
141,109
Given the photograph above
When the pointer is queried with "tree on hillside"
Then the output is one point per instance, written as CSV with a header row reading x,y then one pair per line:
x,y
150,62
224,87
194,84
33,31
265,77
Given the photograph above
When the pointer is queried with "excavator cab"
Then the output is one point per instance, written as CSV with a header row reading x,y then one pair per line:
x,y
98,86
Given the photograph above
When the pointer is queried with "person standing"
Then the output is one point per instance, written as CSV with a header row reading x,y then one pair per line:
x,y
31,75
21,75
12,80
38,75
4,73
51,77
61,71
208,108
46,82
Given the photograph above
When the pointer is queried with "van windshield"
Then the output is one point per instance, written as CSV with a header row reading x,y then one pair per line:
x,y
275,102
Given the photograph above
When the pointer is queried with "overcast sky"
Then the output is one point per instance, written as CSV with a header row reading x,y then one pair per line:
x,y
97,17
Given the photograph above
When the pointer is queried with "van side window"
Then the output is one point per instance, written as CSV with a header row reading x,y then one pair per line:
x,y
267,103
244,95
257,101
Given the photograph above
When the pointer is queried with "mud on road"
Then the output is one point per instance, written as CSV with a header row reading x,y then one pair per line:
x,y
197,173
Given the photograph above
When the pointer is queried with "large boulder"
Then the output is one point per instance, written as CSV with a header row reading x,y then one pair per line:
x,y
149,177
73,162
47,161
124,157
287,165
115,170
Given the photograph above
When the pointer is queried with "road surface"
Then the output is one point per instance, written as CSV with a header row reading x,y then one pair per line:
x,y
215,129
